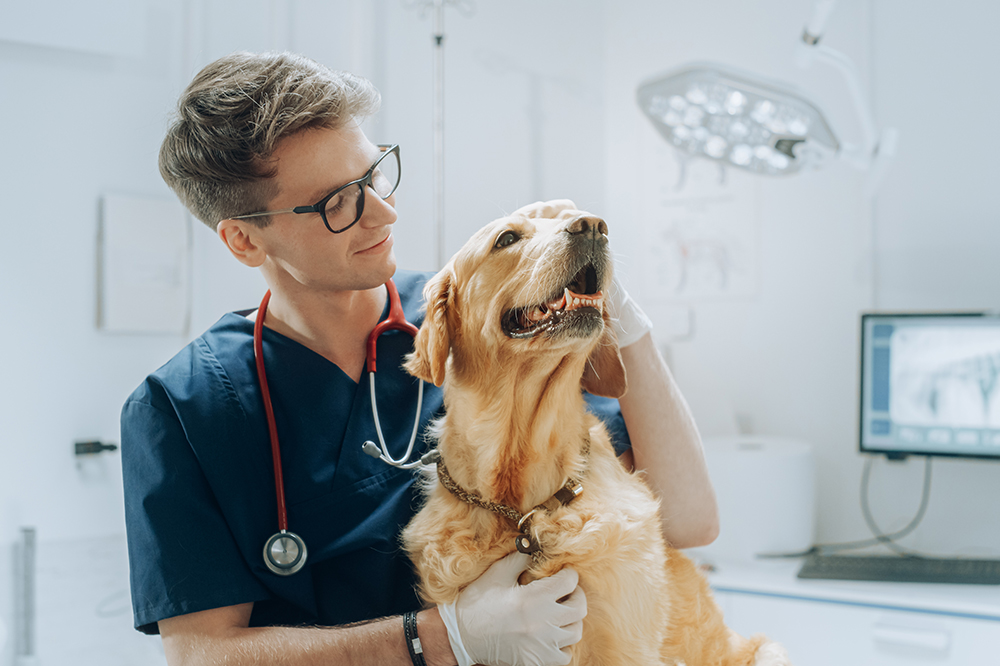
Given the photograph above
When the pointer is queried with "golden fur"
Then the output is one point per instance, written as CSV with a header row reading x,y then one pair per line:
x,y
514,431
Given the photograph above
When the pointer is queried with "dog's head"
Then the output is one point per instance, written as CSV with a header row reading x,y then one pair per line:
x,y
521,289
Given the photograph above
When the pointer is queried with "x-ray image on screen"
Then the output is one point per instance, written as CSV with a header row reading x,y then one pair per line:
x,y
946,377
931,384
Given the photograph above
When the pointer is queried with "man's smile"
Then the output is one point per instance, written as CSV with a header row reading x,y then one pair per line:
x,y
384,244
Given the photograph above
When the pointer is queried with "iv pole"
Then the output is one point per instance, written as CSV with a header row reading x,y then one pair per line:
x,y
439,129
438,7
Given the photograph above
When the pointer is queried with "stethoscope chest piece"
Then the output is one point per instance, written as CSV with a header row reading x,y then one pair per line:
x,y
285,553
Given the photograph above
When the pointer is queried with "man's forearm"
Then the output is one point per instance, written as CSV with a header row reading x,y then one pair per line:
x,y
667,447
381,642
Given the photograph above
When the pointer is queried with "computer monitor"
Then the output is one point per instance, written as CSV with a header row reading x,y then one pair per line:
x,y
930,385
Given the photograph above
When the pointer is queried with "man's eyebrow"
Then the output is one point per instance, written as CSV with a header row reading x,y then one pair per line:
x,y
327,190
322,192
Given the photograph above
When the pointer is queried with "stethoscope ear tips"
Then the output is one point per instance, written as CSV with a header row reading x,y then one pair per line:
x,y
372,449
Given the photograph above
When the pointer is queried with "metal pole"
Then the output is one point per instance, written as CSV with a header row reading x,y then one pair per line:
x,y
24,647
439,128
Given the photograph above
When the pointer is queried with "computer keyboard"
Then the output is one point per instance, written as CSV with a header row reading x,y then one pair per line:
x,y
902,569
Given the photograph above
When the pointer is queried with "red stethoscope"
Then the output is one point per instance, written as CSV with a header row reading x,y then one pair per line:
x,y
285,552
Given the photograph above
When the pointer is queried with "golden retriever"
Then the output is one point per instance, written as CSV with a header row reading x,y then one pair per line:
x,y
515,325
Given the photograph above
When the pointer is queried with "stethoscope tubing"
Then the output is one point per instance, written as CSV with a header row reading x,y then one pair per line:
x,y
395,321
272,427
286,544
384,455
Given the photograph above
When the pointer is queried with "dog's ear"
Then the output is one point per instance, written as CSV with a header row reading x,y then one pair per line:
x,y
604,373
433,341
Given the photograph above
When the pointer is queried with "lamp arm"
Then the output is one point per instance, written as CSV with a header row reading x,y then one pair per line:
x,y
860,156
808,50
877,148
817,23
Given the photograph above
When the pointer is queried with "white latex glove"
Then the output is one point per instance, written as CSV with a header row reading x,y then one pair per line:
x,y
497,621
628,320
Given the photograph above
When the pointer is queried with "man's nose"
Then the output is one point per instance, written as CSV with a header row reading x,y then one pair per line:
x,y
378,211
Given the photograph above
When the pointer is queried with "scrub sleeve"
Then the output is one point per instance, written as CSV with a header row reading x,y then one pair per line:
x,y
183,557
610,413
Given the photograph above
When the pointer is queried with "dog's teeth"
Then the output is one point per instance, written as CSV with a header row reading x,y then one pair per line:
x,y
558,304
536,314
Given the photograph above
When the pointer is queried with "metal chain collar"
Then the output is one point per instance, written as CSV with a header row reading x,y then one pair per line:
x,y
524,542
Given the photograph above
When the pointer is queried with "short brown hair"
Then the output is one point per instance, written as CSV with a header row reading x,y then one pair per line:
x,y
230,119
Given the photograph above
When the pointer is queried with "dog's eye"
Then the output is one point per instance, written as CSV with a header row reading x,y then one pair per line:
x,y
507,238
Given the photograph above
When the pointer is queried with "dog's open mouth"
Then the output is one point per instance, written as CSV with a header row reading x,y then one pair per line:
x,y
578,305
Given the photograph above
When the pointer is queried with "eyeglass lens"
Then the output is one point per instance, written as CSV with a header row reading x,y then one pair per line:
x,y
345,207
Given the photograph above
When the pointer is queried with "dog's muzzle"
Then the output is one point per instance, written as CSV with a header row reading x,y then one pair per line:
x,y
575,307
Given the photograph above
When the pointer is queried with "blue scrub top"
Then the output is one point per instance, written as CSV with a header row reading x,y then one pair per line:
x,y
199,481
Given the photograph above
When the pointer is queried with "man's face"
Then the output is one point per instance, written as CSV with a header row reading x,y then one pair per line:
x,y
301,251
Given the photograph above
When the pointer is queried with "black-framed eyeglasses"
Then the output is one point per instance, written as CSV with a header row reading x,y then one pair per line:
x,y
342,208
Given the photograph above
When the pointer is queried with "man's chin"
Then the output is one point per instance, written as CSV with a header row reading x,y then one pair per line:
x,y
390,266
380,274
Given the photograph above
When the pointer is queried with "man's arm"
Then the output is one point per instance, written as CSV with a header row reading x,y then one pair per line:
x,y
223,636
493,620
665,442
667,448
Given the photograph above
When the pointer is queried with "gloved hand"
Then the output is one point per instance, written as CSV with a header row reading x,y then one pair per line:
x,y
628,320
499,622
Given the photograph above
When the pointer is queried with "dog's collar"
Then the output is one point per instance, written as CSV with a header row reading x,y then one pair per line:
x,y
525,542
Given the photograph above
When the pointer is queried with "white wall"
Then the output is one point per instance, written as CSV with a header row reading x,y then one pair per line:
x,y
540,104
74,124
784,360
935,71
523,113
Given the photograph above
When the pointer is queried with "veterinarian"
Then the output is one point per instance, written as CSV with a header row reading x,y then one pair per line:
x,y
259,133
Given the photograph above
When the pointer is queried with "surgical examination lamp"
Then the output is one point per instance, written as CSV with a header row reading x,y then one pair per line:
x,y
767,127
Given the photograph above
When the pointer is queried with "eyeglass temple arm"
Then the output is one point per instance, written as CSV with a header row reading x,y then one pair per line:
x,y
297,209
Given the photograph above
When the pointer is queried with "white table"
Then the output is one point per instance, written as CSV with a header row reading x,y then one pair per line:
x,y
859,623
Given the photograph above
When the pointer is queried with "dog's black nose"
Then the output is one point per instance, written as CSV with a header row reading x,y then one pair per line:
x,y
588,225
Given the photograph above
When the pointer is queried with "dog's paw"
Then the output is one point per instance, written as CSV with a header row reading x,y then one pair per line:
x,y
771,654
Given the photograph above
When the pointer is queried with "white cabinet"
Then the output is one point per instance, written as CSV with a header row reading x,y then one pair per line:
x,y
834,623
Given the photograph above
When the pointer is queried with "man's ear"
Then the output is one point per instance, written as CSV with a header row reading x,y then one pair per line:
x,y
433,342
604,373
241,239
